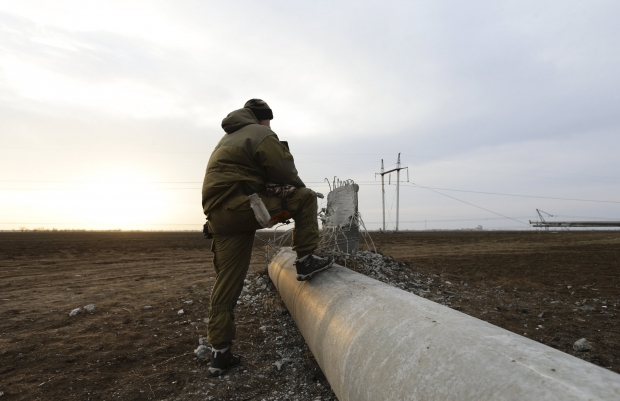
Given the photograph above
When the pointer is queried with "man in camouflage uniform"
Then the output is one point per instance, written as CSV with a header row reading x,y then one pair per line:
x,y
246,159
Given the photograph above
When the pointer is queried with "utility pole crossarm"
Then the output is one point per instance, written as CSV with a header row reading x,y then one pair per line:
x,y
389,171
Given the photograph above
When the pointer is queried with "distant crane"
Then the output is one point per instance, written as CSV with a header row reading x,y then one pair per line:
x,y
542,219
567,224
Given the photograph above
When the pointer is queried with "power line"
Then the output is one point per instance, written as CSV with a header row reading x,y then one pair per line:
x,y
447,220
471,204
602,179
515,195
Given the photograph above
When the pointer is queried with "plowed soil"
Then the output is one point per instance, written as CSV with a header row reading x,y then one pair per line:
x,y
554,288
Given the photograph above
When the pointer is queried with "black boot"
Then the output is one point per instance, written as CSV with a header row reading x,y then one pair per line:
x,y
222,360
310,265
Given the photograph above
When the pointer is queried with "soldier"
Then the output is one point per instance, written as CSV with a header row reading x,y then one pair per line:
x,y
247,159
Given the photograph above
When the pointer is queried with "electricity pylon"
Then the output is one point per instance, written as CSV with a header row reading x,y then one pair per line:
x,y
383,173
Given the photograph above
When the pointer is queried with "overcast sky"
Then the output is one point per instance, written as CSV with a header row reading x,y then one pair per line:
x,y
109,110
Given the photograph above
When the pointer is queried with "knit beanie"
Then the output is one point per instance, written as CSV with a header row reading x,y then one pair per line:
x,y
260,108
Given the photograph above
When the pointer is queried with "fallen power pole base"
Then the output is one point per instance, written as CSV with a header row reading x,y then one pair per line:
x,y
376,342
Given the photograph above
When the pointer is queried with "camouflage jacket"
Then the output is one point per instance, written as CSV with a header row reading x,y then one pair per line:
x,y
249,156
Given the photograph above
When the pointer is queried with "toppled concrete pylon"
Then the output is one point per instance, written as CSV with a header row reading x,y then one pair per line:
x,y
341,217
377,342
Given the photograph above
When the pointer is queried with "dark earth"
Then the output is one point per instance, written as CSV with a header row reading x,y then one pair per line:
x,y
552,287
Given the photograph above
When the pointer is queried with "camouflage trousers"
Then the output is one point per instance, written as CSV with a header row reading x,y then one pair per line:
x,y
233,226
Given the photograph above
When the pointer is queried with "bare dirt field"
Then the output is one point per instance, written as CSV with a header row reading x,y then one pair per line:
x,y
553,288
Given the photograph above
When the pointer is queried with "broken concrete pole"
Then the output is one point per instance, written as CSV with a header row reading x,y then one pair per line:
x,y
341,218
377,342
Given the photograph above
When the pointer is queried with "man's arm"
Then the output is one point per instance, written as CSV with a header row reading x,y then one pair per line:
x,y
278,162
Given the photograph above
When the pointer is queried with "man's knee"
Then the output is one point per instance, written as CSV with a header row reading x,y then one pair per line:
x,y
307,200
307,194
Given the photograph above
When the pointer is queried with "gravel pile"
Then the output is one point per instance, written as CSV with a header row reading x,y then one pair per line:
x,y
276,362
400,275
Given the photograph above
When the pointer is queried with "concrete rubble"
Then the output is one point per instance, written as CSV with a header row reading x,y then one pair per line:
x,y
582,345
75,312
203,351
385,269
281,363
